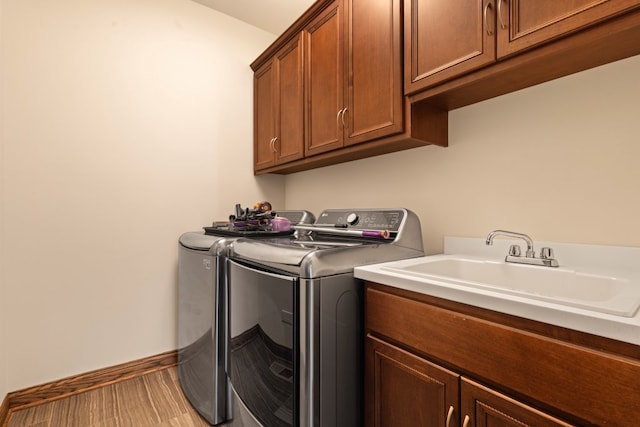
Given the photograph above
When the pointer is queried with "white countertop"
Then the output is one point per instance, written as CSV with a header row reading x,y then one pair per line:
x,y
617,261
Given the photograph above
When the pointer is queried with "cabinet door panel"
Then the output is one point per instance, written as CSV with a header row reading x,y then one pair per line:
x,y
404,390
545,369
444,39
488,408
325,82
264,116
531,22
374,71
290,123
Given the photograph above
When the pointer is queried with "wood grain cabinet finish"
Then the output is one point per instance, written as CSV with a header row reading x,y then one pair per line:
x,y
446,39
406,390
354,74
325,80
347,81
278,107
354,103
483,407
522,24
422,352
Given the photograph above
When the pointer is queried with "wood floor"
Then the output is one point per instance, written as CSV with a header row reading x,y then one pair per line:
x,y
154,399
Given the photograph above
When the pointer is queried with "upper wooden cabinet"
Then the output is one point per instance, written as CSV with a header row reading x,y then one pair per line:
x,y
354,74
522,24
347,81
446,39
325,80
353,98
278,107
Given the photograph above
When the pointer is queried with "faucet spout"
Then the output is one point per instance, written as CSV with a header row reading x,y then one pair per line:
x,y
527,239
546,258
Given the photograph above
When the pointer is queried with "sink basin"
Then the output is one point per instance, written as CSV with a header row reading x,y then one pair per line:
x,y
619,296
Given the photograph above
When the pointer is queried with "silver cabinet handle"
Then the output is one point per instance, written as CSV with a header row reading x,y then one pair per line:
x,y
484,13
275,139
466,421
338,117
344,110
502,25
449,416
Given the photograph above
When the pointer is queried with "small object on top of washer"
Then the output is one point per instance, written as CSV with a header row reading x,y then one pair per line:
x,y
280,223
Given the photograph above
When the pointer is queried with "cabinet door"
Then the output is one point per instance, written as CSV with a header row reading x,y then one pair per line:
x,y
325,86
444,39
404,390
289,143
264,116
488,408
525,23
373,33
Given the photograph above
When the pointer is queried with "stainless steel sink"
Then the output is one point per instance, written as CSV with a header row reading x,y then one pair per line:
x,y
609,294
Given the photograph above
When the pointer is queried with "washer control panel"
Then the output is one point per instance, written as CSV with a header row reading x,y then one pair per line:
x,y
362,219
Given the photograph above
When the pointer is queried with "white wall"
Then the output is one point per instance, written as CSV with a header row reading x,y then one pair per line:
x,y
124,124
558,161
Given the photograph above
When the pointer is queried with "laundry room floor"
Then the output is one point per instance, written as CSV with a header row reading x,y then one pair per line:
x,y
154,399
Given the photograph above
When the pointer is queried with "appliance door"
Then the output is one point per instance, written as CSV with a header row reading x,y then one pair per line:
x,y
201,355
263,343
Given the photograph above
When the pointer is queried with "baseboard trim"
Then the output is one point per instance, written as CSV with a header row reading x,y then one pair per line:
x,y
54,390
4,411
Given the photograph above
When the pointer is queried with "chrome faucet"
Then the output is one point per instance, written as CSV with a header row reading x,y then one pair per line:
x,y
546,258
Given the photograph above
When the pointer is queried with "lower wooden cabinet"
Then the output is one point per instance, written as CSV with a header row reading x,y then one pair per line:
x,y
484,407
435,362
405,390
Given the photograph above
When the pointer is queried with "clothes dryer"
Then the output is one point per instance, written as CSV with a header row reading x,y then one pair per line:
x,y
203,314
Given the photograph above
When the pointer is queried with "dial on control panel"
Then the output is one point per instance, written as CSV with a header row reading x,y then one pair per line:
x,y
352,218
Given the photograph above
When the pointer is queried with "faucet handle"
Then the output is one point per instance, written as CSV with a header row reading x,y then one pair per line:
x,y
546,253
514,250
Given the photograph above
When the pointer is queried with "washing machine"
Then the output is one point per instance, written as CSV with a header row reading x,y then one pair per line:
x,y
296,316
203,313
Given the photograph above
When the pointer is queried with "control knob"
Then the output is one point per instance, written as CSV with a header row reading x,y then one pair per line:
x,y
352,218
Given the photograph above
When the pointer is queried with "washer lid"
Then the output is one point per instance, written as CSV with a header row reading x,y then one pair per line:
x,y
340,241
198,240
290,251
264,250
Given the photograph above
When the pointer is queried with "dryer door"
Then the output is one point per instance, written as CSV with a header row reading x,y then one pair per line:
x,y
263,343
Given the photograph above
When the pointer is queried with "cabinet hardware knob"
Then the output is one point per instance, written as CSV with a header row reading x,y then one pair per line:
x,y
502,25
489,29
449,416
466,421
